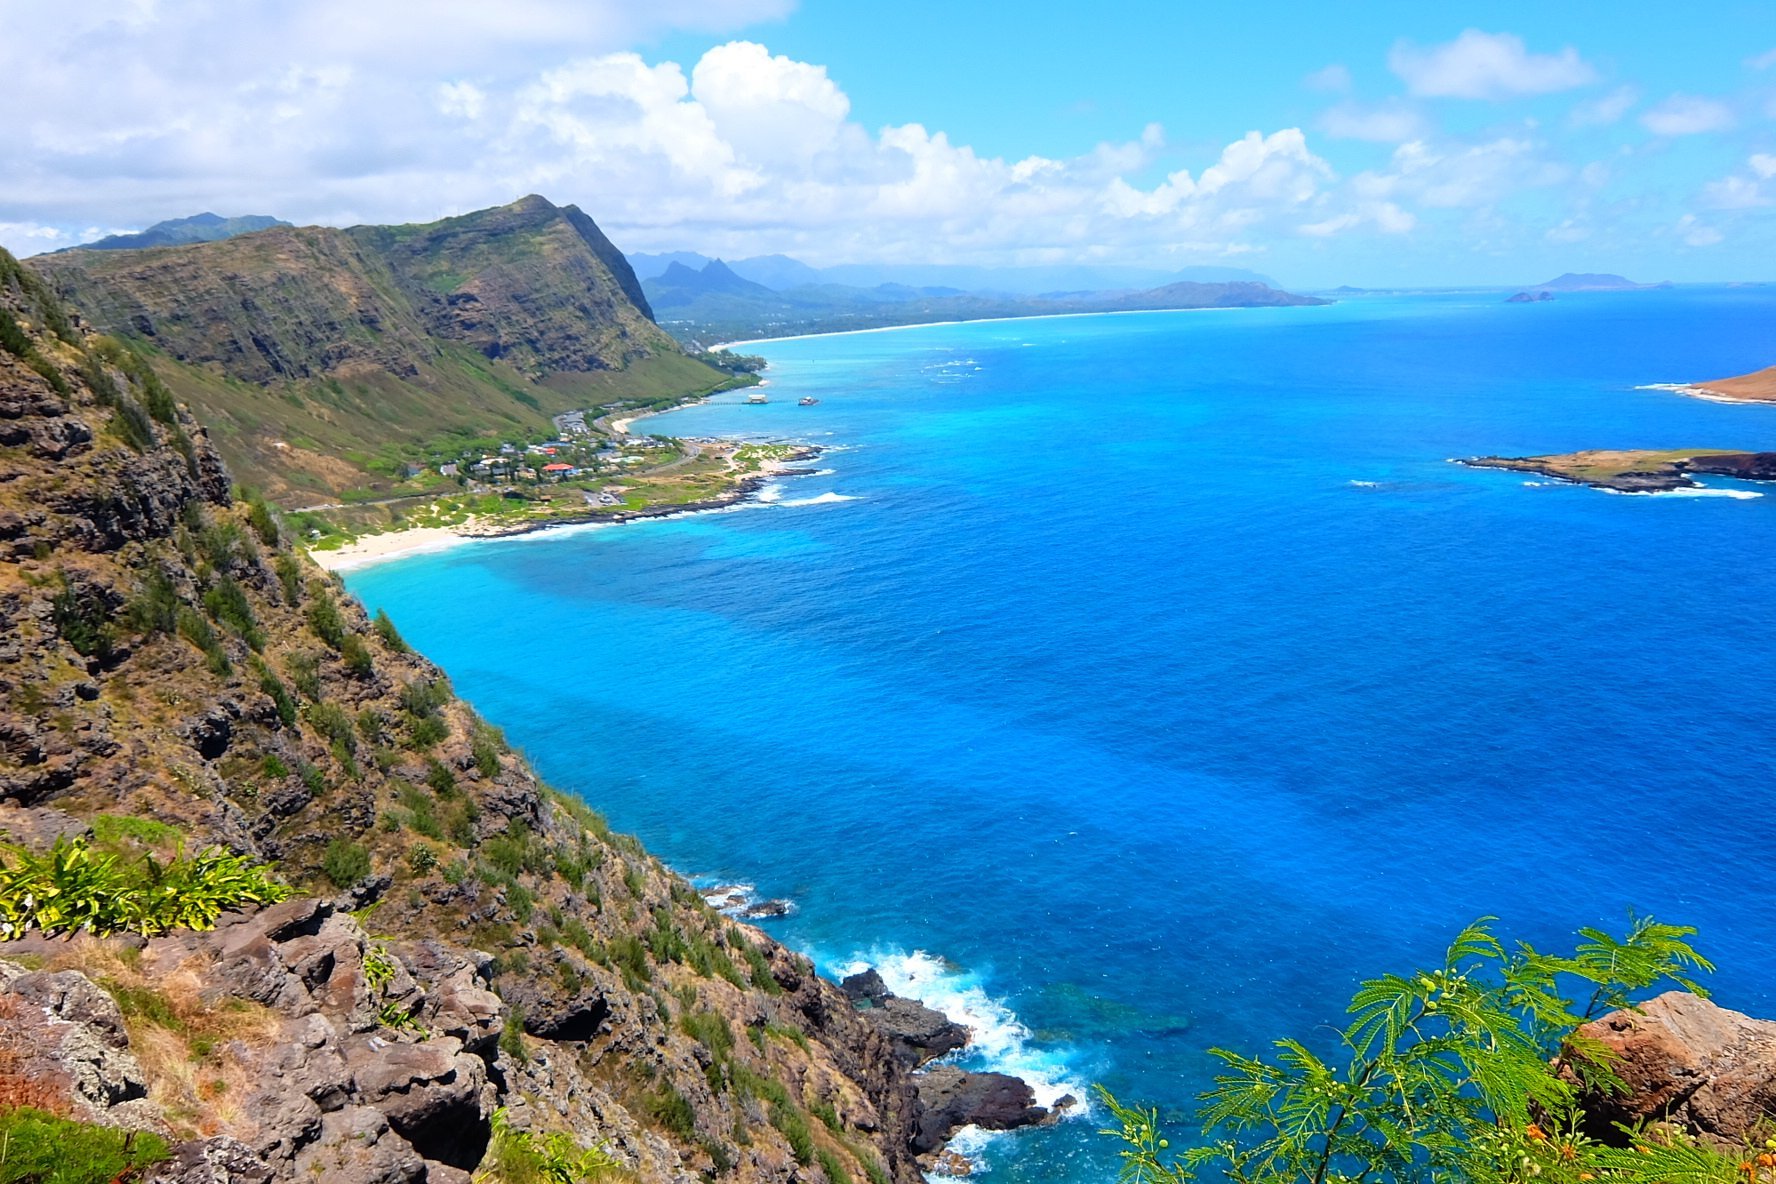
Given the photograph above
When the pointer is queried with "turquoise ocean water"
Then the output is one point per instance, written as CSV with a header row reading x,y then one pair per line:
x,y
1136,683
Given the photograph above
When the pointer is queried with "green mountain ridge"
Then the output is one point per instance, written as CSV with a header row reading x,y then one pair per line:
x,y
320,357
199,228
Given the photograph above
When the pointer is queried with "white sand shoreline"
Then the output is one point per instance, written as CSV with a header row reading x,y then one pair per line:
x,y
1035,316
394,544
368,550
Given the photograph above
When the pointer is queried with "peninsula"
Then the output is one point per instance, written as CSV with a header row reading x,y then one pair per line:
x,y
1639,470
1757,387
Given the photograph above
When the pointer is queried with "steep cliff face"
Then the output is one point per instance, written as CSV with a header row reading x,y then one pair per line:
x,y
172,673
308,349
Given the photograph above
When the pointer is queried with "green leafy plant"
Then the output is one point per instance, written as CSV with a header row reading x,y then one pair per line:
x,y
345,862
72,888
227,602
324,617
155,607
40,1148
523,1157
82,621
1471,1071
391,637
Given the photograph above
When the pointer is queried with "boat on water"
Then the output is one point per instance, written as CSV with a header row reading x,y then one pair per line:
x,y
807,401
757,399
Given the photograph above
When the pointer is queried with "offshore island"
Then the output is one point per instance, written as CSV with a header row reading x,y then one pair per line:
x,y
1647,470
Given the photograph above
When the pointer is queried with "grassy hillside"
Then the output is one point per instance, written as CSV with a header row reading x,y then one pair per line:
x,y
322,358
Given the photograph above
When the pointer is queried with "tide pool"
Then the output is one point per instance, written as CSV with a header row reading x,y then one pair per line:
x,y
1138,683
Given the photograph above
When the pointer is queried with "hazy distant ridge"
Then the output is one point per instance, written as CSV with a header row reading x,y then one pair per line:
x,y
781,273
199,228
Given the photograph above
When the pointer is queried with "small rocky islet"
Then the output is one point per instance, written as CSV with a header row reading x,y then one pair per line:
x,y
1649,470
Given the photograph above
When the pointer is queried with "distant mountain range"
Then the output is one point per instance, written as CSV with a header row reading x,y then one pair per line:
x,y
781,273
1587,281
199,228
705,301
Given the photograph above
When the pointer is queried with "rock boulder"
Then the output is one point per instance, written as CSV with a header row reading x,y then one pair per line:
x,y
1688,1061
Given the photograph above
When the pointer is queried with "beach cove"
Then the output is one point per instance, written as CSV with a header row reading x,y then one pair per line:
x,y
1145,680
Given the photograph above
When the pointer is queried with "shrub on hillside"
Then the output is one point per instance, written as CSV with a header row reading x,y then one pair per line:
x,y
1467,1072
72,888
345,862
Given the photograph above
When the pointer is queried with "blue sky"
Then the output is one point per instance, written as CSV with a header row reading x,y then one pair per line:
x,y
1374,144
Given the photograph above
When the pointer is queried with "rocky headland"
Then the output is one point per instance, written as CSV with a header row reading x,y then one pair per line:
x,y
1757,387
1638,470
465,952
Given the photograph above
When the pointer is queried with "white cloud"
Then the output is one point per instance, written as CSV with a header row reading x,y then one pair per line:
x,y
1568,231
1456,175
1695,233
1479,65
1385,216
1763,61
1606,110
33,237
1335,78
1687,115
769,108
1392,123
1744,191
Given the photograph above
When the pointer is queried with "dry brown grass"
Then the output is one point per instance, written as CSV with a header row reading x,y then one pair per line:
x,y
1758,386
202,1059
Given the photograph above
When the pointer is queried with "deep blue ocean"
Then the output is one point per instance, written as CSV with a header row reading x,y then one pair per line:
x,y
1138,683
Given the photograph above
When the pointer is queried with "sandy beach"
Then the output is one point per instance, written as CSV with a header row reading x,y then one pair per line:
x,y
375,548
396,544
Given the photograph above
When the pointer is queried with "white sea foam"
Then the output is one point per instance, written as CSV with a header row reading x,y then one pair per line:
x,y
771,492
997,1038
970,1142
1737,494
824,499
738,898
726,896
1366,484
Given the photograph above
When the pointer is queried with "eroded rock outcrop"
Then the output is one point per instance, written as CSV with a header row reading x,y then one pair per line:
x,y
918,1033
1688,1061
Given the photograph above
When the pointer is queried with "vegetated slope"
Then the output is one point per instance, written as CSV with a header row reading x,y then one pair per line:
x,y
174,673
322,358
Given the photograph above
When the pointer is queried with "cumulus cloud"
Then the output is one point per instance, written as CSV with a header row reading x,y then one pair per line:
x,y
1460,175
1479,65
1391,123
740,151
1744,191
1687,115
